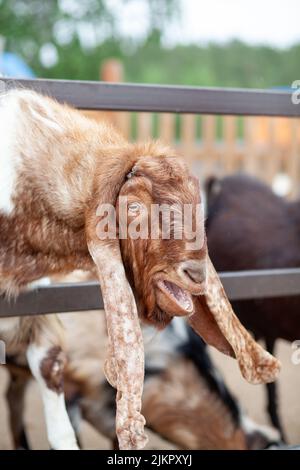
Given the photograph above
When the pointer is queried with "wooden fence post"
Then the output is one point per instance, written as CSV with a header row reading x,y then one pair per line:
x,y
293,161
144,126
228,157
112,70
188,137
273,157
166,127
209,150
249,146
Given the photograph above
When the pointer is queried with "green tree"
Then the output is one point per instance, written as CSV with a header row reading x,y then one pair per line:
x,y
29,25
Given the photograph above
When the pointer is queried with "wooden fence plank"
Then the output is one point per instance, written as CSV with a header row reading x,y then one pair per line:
x,y
273,161
209,151
188,137
293,160
144,126
249,162
167,129
228,156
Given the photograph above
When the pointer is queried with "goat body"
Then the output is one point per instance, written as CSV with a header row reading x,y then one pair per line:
x,y
185,400
58,169
249,227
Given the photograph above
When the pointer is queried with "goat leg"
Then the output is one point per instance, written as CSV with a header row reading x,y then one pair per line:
x,y
15,396
272,394
46,361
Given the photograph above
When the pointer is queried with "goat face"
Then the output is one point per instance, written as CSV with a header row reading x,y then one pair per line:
x,y
166,259
172,275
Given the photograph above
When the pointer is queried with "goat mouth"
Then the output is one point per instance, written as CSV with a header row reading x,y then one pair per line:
x,y
181,297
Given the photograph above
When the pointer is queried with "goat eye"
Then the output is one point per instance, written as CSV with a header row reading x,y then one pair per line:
x,y
134,207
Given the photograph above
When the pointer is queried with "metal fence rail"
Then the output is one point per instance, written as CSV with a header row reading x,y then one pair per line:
x,y
173,99
86,296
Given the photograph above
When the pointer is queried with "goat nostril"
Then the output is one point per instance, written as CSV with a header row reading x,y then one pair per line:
x,y
194,270
197,276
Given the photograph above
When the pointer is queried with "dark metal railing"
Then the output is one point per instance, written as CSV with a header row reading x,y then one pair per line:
x,y
87,296
173,99
169,99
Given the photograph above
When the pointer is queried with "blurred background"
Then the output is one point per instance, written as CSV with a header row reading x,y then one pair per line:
x,y
232,43
185,42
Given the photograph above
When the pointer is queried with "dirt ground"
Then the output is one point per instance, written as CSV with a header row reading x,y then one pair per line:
x,y
251,397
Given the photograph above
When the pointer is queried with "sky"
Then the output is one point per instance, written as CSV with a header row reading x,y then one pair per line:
x,y
275,22
271,22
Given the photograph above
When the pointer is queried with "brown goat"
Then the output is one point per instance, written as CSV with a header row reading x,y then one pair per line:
x,y
249,227
61,174
185,400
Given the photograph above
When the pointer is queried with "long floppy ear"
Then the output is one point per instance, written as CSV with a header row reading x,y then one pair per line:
x,y
124,367
216,322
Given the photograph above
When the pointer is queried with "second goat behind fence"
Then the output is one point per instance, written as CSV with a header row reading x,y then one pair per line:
x,y
249,227
185,400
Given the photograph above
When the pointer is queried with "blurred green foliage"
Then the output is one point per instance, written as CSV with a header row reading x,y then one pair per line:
x,y
28,25
234,64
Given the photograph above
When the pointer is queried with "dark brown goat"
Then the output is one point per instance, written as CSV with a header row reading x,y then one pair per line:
x,y
185,399
249,227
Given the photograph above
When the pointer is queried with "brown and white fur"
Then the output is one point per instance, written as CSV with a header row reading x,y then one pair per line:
x,y
185,399
56,168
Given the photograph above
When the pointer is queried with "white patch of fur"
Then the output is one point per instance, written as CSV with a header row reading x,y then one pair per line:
x,y
9,122
32,99
160,347
282,184
250,427
42,282
180,329
8,159
60,432
46,121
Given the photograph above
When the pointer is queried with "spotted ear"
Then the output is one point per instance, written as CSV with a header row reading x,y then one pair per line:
x,y
215,321
125,364
124,367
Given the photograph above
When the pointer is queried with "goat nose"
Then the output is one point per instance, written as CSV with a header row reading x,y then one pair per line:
x,y
195,270
197,276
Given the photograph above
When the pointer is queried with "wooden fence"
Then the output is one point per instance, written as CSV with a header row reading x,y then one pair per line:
x,y
266,147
